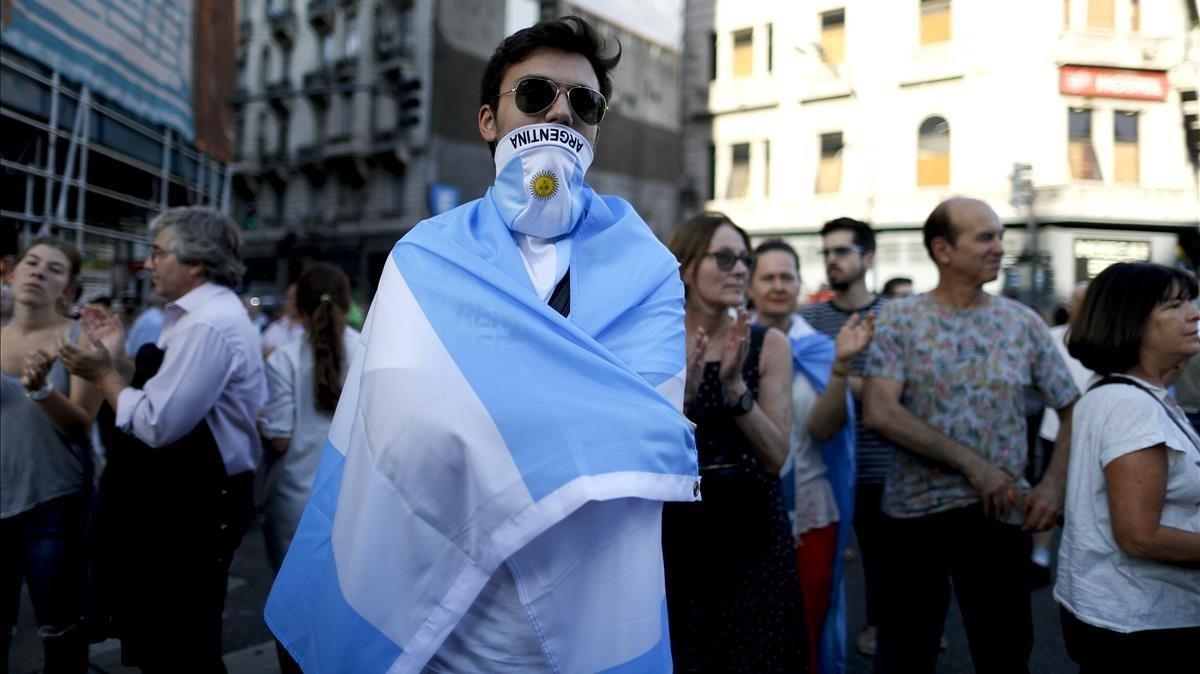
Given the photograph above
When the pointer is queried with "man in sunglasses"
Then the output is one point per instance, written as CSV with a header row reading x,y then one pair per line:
x,y
512,424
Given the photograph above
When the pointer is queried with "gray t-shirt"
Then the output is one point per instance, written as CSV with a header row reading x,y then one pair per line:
x,y
37,463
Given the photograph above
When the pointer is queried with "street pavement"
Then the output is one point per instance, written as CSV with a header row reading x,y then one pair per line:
x,y
249,649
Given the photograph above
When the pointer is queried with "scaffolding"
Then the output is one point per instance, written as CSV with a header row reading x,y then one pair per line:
x,y
182,176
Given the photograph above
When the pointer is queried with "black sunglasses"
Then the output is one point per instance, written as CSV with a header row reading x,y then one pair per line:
x,y
535,95
726,260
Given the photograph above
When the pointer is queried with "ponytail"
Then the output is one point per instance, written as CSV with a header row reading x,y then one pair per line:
x,y
323,297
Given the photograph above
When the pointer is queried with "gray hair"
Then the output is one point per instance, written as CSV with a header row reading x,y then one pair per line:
x,y
205,235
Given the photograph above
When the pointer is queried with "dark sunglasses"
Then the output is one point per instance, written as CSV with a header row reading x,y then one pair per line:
x,y
535,95
726,260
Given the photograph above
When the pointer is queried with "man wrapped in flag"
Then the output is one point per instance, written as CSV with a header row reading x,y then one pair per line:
x,y
491,492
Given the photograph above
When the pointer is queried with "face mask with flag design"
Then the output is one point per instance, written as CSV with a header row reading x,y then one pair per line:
x,y
539,179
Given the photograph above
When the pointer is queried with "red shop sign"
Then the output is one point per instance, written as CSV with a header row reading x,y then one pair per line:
x,y
1142,85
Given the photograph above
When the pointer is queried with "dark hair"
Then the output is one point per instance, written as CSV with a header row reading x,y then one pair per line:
x,y
690,240
893,282
775,245
323,297
864,236
938,224
570,34
1107,334
74,259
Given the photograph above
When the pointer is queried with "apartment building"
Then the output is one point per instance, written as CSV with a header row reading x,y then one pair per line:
x,y
797,113
358,118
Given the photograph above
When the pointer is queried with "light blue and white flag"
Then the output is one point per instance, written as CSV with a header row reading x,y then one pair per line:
x,y
478,427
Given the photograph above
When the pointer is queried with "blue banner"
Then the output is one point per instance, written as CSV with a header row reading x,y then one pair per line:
x,y
137,53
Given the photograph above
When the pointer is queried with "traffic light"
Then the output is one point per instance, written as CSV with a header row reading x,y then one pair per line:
x,y
1022,185
408,98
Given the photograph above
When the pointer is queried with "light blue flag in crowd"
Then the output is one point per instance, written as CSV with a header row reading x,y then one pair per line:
x,y
478,427
812,357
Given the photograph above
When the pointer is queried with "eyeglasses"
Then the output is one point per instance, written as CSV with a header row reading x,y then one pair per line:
x,y
726,260
840,251
535,95
157,253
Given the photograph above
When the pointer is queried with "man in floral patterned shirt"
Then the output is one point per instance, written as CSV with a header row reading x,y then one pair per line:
x,y
944,380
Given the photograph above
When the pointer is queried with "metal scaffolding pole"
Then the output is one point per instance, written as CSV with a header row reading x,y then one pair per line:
x,y
48,195
60,212
165,175
82,182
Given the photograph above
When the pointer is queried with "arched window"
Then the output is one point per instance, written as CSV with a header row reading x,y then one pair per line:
x,y
933,152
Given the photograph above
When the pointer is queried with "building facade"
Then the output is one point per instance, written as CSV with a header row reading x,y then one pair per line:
x,y
797,113
358,118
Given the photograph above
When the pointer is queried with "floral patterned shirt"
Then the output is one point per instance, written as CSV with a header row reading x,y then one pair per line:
x,y
964,373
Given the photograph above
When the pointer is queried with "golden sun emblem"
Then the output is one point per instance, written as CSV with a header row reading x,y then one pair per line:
x,y
544,185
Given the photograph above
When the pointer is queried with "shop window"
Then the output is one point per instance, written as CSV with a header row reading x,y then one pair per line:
x,y
1081,153
739,172
829,166
743,53
935,21
1125,147
1101,14
933,152
833,36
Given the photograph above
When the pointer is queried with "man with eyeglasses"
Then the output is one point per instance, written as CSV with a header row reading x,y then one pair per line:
x,y
848,252
491,494
176,496
945,379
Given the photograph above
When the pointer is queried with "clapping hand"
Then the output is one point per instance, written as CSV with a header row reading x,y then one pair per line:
x,y
37,366
854,337
697,343
103,329
733,355
92,364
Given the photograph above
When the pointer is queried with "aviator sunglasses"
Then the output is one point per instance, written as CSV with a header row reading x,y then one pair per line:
x,y
534,95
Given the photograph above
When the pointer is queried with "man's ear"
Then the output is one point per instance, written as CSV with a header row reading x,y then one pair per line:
x,y
869,259
938,246
487,124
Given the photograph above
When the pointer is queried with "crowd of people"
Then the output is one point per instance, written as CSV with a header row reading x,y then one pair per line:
x,y
559,445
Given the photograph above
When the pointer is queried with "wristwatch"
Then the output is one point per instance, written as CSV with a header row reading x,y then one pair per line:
x,y
742,405
42,393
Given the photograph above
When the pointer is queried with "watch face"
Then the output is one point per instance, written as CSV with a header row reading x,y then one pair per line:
x,y
747,401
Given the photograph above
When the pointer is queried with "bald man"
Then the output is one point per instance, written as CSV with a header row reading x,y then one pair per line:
x,y
944,380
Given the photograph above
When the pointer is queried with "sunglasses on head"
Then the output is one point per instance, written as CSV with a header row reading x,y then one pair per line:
x,y
535,95
725,259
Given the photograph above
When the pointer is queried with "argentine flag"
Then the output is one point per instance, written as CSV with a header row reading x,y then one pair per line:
x,y
478,427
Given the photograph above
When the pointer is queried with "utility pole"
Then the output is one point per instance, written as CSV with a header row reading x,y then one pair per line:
x,y
1023,197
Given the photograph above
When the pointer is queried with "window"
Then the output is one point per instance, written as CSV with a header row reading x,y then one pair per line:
x,y
743,53
264,67
770,46
833,36
347,115
766,168
327,50
1100,14
739,172
712,172
829,166
1125,147
712,56
1066,13
1135,15
350,46
1080,152
933,153
935,21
